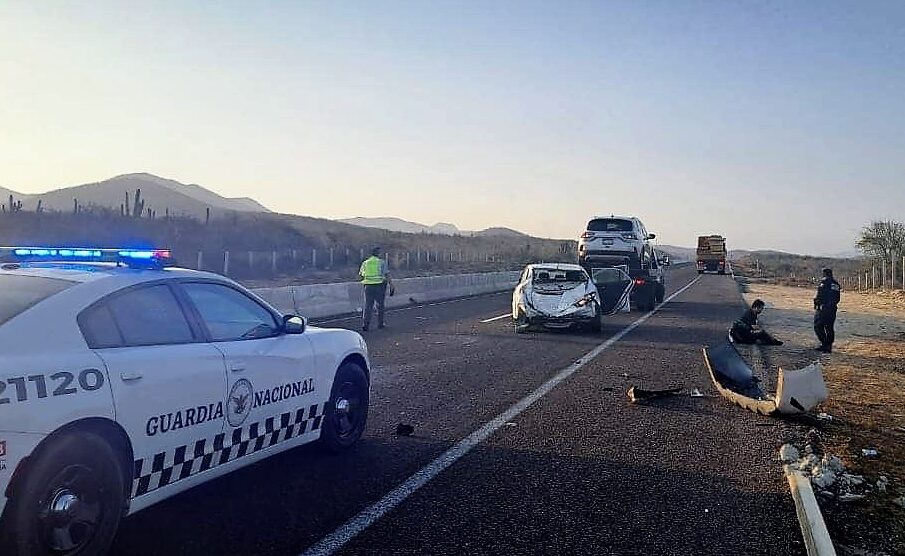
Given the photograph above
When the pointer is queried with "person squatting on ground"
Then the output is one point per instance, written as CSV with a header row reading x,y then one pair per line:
x,y
829,293
746,330
375,278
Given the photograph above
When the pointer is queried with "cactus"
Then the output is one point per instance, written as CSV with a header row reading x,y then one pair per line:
x,y
128,205
18,206
138,209
40,208
122,210
11,205
207,215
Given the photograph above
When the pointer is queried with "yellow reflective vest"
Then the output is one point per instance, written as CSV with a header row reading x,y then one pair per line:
x,y
370,271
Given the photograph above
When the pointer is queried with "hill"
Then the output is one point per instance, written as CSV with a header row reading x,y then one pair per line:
x,y
500,232
159,194
399,225
678,254
441,228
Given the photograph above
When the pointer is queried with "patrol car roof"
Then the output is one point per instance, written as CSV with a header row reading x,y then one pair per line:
x,y
89,272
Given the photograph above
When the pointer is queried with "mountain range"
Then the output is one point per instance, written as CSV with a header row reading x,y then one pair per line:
x,y
160,194
442,228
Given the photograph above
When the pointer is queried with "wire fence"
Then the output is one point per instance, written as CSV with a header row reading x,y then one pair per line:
x,y
867,276
881,275
257,264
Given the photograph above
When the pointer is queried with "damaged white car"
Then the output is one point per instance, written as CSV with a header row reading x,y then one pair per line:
x,y
559,295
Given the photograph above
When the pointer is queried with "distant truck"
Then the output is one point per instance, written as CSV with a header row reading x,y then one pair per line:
x,y
711,254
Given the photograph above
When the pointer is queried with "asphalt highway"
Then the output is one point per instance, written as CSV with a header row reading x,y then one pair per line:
x,y
571,468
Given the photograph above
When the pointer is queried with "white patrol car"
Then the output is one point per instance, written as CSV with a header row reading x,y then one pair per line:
x,y
123,383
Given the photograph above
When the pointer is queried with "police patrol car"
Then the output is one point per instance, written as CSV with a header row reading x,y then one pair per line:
x,y
124,381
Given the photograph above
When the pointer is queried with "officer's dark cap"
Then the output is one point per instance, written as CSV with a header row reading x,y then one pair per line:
x,y
827,271
758,303
375,250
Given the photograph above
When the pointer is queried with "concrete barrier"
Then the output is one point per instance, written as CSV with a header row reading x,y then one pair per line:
x,y
328,300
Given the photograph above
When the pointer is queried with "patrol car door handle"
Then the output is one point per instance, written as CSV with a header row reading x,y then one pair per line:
x,y
237,369
135,375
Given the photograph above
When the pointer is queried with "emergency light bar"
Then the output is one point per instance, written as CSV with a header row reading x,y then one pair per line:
x,y
136,258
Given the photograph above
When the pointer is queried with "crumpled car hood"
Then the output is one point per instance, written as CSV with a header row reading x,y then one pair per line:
x,y
560,303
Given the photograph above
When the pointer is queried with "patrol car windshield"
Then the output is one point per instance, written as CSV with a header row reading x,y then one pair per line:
x,y
18,293
609,225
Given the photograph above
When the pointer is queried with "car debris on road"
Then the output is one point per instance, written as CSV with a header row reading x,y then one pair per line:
x,y
797,391
636,394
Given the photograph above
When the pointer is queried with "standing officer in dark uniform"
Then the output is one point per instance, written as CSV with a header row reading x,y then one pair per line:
x,y
828,293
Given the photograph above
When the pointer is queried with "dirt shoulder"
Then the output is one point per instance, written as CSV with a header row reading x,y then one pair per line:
x,y
865,376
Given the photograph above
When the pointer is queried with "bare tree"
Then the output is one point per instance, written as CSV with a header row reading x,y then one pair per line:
x,y
882,239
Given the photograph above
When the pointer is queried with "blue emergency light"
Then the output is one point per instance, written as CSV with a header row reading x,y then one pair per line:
x,y
136,258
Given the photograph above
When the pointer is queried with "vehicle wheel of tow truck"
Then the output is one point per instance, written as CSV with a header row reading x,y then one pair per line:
x,y
646,299
347,410
70,501
521,323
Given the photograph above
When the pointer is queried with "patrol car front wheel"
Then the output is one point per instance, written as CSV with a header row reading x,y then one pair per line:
x,y
347,411
71,499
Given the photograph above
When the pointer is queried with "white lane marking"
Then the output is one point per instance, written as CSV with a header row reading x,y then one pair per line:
x,y
498,318
352,528
409,308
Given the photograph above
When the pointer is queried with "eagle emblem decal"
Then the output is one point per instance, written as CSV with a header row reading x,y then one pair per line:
x,y
239,402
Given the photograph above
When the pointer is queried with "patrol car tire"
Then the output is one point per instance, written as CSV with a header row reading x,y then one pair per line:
x,y
341,431
76,474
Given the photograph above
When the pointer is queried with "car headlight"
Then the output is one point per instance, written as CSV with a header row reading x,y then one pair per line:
x,y
586,299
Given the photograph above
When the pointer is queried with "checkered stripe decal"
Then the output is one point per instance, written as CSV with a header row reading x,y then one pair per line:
x,y
168,467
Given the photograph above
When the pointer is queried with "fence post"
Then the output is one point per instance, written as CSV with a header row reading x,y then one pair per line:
x,y
200,263
226,263
251,261
273,261
407,260
314,258
883,270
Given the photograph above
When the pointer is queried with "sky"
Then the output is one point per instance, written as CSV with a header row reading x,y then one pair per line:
x,y
780,125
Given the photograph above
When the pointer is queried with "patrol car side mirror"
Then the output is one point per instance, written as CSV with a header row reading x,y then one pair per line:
x,y
294,324
651,236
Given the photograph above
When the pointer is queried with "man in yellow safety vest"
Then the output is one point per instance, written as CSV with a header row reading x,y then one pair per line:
x,y
375,278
